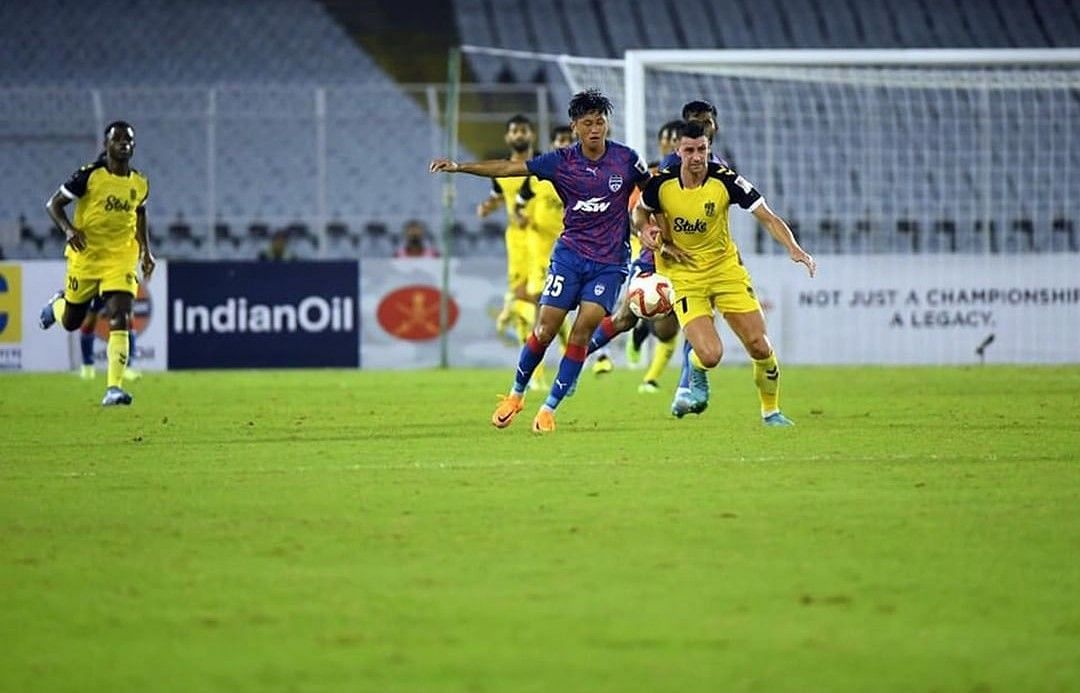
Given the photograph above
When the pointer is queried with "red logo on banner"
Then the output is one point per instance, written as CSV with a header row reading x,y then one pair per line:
x,y
141,309
412,313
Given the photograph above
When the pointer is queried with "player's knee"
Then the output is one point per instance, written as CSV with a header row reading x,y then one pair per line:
x,y
759,347
118,321
710,356
710,353
666,329
623,320
545,332
72,320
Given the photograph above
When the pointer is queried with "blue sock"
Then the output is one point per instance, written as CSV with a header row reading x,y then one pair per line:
x,y
86,346
569,370
684,374
605,332
131,347
531,356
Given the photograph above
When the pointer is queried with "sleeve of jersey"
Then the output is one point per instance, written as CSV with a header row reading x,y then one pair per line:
x,y
641,167
650,196
741,191
525,192
146,195
495,187
671,160
545,165
75,187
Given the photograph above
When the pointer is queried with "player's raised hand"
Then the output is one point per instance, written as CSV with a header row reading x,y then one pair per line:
x,y
77,240
148,265
650,236
800,255
672,252
443,166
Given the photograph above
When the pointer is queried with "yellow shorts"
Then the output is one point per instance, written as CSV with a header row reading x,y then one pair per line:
x,y
83,289
540,246
517,257
731,293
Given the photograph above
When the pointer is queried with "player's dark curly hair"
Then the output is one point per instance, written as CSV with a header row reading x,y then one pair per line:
x,y
519,119
700,106
561,130
118,124
589,101
691,130
674,126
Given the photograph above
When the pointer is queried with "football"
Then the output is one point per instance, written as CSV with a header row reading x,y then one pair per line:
x,y
650,295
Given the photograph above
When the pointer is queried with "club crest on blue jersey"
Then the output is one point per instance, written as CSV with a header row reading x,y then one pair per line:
x,y
614,182
598,289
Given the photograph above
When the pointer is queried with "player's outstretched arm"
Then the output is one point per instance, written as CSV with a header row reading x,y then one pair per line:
x,y
55,207
494,168
779,230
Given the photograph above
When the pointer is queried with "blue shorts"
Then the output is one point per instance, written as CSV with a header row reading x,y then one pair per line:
x,y
573,279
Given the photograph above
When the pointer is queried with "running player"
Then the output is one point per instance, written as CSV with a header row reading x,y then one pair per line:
x,y
517,309
104,245
694,249
594,178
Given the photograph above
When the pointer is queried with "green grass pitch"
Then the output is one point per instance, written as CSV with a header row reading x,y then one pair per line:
x,y
334,530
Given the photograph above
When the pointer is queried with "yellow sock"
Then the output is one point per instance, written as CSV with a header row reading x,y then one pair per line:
x,y
58,307
117,352
661,357
767,379
696,362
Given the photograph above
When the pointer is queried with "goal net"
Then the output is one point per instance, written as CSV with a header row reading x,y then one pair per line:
x,y
881,151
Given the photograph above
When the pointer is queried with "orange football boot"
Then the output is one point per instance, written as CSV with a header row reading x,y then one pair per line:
x,y
544,421
509,406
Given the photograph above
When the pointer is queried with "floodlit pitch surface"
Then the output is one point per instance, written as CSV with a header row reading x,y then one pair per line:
x,y
273,531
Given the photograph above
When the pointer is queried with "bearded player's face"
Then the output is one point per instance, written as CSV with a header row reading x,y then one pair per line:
x,y
519,136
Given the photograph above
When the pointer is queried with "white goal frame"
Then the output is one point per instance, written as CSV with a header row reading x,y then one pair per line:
x,y
636,62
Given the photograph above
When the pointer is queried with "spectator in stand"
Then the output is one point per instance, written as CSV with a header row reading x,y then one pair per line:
x,y
279,248
414,241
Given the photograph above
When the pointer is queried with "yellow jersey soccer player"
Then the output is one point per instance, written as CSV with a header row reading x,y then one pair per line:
x,y
519,137
541,208
104,244
695,250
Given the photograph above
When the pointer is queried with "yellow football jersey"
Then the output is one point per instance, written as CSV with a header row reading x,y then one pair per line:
x,y
509,187
105,210
698,217
545,208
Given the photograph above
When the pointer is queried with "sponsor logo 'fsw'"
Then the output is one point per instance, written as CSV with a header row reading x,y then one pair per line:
x,y
591,205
